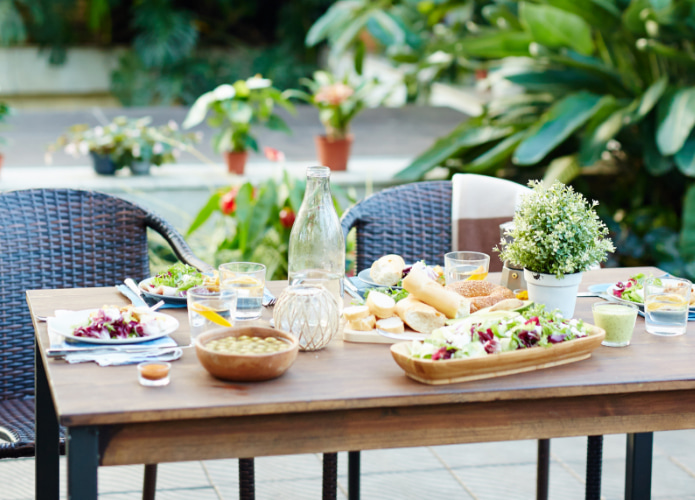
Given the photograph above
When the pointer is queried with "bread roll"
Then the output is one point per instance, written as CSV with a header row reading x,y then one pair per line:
x,y
352,313
363,324
430,292
482,294
419,316
388,270
393,324
380,304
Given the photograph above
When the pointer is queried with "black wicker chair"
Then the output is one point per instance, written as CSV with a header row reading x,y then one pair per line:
x,y
414,221
61,238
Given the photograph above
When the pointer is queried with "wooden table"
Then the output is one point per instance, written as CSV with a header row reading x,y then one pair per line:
x,y
348,397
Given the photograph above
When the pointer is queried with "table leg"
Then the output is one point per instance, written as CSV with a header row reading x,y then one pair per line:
x,y
353,475
47,482
543,469
638,470
83,461
594,462
330,476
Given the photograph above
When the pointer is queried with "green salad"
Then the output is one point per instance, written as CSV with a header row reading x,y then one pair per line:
x,y
631,290
176,280
499,331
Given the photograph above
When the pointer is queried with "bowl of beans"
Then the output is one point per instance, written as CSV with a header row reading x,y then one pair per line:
x,y
246,354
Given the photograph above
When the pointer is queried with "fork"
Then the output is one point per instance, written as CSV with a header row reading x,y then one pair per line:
x,y
269,299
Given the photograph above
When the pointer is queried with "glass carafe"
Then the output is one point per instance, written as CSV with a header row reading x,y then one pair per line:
x,y
317,247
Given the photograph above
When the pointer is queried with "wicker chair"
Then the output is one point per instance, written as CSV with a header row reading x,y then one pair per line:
x,y
61,238
414,221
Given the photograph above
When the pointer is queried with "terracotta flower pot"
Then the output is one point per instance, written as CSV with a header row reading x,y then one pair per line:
x,y
333,153
236,161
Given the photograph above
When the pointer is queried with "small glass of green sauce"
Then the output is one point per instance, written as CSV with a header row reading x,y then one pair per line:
x,y
618,320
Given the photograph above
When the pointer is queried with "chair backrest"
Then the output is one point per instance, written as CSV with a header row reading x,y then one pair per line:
x,y
61,238
413,220
481,203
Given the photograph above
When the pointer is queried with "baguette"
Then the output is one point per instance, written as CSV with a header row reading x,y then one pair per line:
x,y
355,312
363,324
387,270
430,292
419,316
380,304
393,324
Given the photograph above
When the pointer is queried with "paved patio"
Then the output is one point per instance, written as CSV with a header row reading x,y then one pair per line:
x,y
487,471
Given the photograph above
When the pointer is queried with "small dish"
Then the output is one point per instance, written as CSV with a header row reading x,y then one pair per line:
x,y
168,299
246,367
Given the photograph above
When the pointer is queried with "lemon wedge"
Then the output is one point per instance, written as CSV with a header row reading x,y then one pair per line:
x,y
210,314
666,301
478,273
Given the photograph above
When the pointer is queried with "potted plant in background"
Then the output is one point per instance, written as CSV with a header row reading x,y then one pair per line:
x,y
557,235
236,109
338,102
125,142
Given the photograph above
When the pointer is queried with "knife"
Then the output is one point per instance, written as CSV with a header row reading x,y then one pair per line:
x,y
352,289
134,298
101,349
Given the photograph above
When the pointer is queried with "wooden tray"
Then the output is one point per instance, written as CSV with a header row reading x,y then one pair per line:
x,y
495,365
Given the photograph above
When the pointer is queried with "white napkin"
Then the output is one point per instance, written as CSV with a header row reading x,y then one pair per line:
x,y
163,349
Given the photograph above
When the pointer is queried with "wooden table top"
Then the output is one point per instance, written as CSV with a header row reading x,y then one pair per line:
x,y
343,376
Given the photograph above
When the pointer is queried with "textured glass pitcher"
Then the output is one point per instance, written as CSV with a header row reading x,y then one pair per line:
x,y
317,247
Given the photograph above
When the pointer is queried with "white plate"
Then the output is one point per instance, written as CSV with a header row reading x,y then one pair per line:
x,y
168,299
64,325
364,276
609,293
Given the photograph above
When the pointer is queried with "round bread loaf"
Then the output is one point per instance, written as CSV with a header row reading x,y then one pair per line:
x,y
482,294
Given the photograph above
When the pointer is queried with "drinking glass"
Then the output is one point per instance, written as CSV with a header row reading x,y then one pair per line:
x,y
666,303
208,310
618,320
248,280
462,266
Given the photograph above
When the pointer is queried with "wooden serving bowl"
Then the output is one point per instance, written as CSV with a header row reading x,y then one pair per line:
x,y
246,367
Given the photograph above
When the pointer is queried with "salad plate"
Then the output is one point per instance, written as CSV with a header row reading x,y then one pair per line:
x,y
64,325
451,371
145,288
638,294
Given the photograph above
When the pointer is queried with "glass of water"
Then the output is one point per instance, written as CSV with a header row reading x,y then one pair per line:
x,y
208,309
247,279
462,266
666,304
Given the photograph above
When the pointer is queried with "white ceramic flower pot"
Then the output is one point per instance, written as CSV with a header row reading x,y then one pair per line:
x,y
554,293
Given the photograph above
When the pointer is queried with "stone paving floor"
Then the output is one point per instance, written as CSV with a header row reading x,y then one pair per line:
x,y
486,471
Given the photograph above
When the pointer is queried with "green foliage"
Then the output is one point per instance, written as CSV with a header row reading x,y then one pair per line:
x,y
250,225
556,231
5,112
604,98
236,109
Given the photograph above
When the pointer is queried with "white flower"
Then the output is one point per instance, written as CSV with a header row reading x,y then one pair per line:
x,y
224,91
136,150
48,158
173,125
83,148
256,82
71,149
98,130
157,149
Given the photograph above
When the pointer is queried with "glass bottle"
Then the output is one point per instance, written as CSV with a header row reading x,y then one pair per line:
x,y
317,247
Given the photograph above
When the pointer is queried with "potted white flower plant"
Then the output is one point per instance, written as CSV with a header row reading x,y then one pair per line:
x,y
125,142
235,110
338,102
557,235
